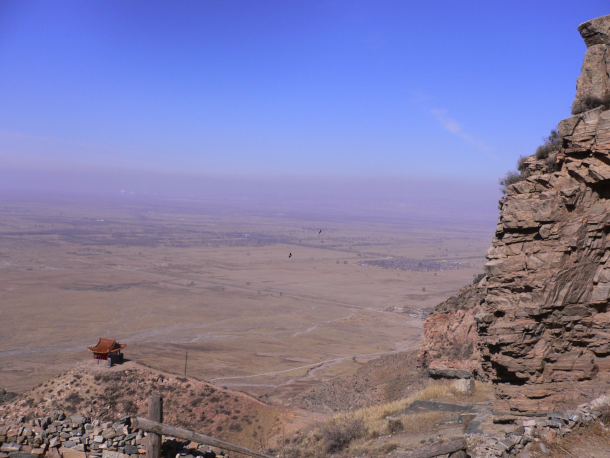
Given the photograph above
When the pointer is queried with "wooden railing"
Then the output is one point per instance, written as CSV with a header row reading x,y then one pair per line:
x,y
155,428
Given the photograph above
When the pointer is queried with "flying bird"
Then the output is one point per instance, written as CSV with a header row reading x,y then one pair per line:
x,y
290,256
320,232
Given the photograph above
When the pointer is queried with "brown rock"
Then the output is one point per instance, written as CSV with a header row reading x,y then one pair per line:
x,y
539,322
71,453
450,345
596,31
593,80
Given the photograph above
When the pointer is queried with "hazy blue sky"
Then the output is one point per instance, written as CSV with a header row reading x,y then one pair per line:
x,y
455,89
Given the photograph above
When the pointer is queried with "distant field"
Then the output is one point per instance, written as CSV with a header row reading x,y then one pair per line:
x,y
262,302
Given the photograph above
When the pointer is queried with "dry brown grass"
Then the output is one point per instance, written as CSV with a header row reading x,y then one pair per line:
x,y
420,423
373,421
370,448
375,417
188,403
592,440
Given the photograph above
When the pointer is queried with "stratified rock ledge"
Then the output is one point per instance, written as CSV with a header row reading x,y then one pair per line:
x,y
539,322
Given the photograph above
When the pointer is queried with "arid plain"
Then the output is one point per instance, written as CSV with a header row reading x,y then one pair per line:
x,y
262,301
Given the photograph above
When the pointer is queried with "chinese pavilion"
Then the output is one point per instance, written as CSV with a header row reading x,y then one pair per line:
x,y
107,351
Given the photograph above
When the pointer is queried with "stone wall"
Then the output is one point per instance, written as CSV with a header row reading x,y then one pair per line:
x,y
78,437
47,435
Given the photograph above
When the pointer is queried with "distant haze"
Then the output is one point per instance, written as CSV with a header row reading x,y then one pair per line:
x,y
398,199
393,107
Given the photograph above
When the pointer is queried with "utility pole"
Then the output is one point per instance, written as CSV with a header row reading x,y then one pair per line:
x,y
186,357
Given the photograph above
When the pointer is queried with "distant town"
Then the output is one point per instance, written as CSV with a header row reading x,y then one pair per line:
x,y
424,265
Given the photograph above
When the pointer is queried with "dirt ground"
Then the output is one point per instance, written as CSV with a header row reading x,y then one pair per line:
x,y
262,302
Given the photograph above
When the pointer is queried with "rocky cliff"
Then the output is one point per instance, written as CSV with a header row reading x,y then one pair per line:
x,y
450,347
539,321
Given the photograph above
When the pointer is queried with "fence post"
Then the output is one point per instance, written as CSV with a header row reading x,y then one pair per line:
x,y
155,413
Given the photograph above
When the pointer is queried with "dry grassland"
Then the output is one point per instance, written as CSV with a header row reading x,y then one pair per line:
x,y
167,277
356,433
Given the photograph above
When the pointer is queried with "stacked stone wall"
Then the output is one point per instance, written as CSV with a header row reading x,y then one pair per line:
x,y
79,437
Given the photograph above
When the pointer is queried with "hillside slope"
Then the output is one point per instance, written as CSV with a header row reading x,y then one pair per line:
x,y
386,379
188,403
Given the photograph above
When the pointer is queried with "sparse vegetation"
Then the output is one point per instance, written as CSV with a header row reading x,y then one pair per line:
x,y
522,164
550,144
510,178
548,150
74,399
339,432
551,164
591,102
111,395
354,432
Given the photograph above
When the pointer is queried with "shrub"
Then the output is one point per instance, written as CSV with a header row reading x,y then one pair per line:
x,y
521,166
543,151
550,144
338,433
395,426
389,447
130,408
591,102
510,178
553,138
551,164
74,398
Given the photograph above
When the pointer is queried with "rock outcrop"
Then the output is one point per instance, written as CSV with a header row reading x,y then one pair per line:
x,y
541,317
449,349
594,81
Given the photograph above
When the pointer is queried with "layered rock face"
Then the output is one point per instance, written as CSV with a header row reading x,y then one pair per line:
x,y
541,316
450,348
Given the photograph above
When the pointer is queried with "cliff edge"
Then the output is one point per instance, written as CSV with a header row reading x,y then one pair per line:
x,y
539,321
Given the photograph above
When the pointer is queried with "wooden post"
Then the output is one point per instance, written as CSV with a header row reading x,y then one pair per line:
x,y
155,413
144,424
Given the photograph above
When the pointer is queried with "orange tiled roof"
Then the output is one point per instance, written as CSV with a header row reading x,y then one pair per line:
x,y
105,346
